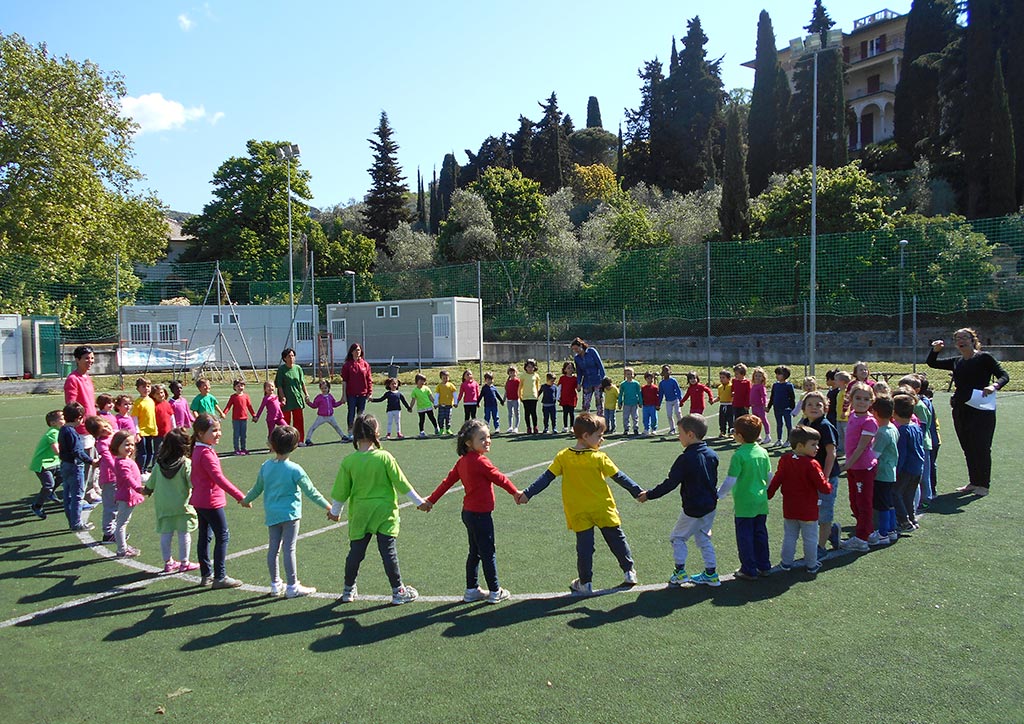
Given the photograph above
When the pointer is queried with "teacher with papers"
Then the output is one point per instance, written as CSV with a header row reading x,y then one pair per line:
x,y
977,376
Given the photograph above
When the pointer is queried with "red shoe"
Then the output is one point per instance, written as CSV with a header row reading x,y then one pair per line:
x,y
186,566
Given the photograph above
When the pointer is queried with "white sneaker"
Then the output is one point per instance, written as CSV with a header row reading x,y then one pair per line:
x,y
403,594
423,434
875,539
277,588
146,477
631,579
894,536
501,594
581,589
472,595
767,441
350,594
298,590
853,543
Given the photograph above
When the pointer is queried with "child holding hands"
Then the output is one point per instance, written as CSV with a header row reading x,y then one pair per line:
x,y
478,476
171,486
748,476
128,480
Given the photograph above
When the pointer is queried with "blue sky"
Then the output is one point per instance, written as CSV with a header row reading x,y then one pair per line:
x,y
205,77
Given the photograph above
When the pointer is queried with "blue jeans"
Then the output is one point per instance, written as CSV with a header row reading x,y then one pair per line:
x,y
238,430
73,475
356,406
609,417
49,479
212,524
480,528
491,414
616,541
783,415
650,418
752,544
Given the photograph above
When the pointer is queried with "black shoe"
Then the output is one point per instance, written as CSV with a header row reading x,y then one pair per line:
x,y
40,513
108,538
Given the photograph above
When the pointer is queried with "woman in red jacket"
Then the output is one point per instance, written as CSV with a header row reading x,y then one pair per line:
x,y
355,373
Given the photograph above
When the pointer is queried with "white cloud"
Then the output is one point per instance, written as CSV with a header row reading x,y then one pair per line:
x,y
216,117
185,22
153,112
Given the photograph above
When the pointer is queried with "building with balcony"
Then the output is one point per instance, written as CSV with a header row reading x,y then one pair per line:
x,y
873,54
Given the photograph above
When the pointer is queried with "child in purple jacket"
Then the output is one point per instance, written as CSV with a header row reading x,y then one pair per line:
x,y
324,404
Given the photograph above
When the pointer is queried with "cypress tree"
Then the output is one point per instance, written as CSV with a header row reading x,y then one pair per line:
x,y
1010,41
435,206
447,184
734,210
521,147
593,113
385,202
763,123
976,131
421,202
673,62
618,156
1002,170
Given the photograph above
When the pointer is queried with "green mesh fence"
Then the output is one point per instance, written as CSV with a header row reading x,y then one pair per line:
x,y
948,273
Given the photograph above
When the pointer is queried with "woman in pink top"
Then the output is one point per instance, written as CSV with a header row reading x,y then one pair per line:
x,y
358,381
78,388
128,494
208,488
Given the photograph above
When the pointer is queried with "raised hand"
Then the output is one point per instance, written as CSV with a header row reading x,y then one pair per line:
x,y
938,345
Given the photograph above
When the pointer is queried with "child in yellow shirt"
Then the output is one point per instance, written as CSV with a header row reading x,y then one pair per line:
x,y
445,400
144,412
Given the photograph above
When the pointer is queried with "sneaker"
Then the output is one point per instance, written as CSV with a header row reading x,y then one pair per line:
x,y
88,506
647,433
822,553
498,596
980,491
813,570
238,453
472,595
581,589
671,431
403,594
967,488
349,594
40,513
833,535
388,436
767,441
171,566
54,497
298,591
128,552
186,566
893,536
743,575
400,436
630,579
422,435
346,438
245,452
853,543
877,539
277,588
108,538
764,573
706,579
309,443
82,527
786,566
678,577
545,431
906,527
227,582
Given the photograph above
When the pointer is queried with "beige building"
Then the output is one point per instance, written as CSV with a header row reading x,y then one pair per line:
x,y
873,53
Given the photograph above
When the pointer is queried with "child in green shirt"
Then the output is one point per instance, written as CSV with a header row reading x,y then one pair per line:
x,y
749,474
424,399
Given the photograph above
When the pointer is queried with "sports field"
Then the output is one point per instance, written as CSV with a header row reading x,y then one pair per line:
x,y
925,630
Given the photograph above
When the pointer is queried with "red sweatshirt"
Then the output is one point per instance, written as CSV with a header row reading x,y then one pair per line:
x,y
478,476
695,393
740,393
801,480
240,406
650,396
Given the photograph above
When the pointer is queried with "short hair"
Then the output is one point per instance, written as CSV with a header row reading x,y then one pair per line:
x,y
550,376
587,423
53,416
73,411
142,381
783,370
284,439
912,380
606,382
419,377
466,432
93,424
903,406
748,427
82,351
883,407
725,373
666,368
286,351
843,376
630,370
803,434
739,368
648,375
201,380
814,395
443,373
103,399
488,376
831,374
881,389
119,439
695,424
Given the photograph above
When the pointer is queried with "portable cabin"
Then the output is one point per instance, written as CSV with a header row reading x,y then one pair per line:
x,y
40,343
157,335
444,330
12,360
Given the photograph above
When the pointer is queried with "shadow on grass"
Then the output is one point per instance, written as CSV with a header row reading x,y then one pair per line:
x,y
950,503
17,513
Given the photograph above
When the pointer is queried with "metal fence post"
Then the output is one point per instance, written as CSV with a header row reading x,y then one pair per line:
x,y
419,346
548,317
624,361
807,340
913,333
480,297
707,293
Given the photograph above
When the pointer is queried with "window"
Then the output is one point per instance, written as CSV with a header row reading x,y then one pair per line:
x,y
874,83
442,325
229,319
167,332
139,333
393,312
303,331
380,312
338,329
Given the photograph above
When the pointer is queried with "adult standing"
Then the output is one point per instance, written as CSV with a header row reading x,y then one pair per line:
x,y
974,412
589,373
78,387
291,389
358,379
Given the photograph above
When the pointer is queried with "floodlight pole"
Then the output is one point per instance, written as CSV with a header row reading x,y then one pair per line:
x,y
286,153
352,275
903,247
813,317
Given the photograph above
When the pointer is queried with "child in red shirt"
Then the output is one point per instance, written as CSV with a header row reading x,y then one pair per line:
x,y
651,400
740,391
240,407
800,477
164,416
478,476
567,396
695,393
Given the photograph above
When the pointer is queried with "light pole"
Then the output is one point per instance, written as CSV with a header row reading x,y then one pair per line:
x,y
286,153
903,248
352,275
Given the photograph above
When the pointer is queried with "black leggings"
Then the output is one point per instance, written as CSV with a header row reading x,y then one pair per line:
x,y
568,416
470,410
424,415
974,430
530,413
388,554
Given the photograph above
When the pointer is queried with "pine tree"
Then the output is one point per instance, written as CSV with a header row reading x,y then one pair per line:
x,y
763,123
931,26
385,202
521,147
1002,170
593,113
820,23
447,184
641,134
976,133
734,211
551,154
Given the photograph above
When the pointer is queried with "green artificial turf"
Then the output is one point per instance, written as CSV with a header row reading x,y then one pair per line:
x,y
926,630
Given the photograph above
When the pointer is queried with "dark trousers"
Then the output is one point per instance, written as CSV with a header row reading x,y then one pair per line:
x,y
356,406
974,429
903,496
480,528
724,418
423,418
550,413
388,554
752,544
530,413
49,479
568,416
616,541
469,410
783,417
73,476
144,453
212,524
933,456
